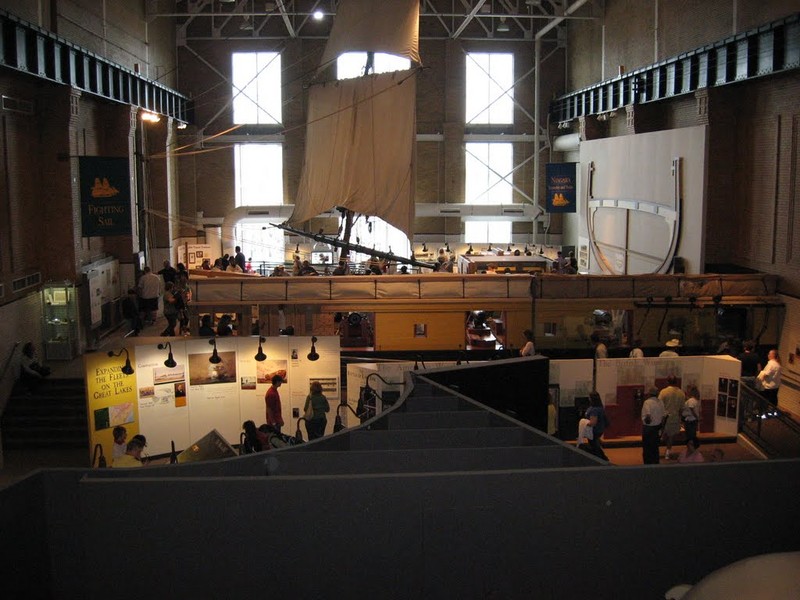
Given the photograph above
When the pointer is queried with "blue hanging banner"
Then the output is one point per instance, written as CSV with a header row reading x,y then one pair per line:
x,y
105,196
561,188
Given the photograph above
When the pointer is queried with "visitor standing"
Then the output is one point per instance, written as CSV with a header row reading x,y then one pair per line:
x,y
691,412
673,398
168,273
527,349
240,259
149,289
596,409
653,414
273,402
315,411
770,377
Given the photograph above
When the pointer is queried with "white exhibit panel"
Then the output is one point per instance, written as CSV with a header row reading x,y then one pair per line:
x,y
162,397
303,370
255,377
721,379
716,377
213,389
574,378
184,403
356,379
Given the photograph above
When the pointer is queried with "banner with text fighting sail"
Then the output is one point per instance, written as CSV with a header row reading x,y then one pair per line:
x,y
105,196
561,188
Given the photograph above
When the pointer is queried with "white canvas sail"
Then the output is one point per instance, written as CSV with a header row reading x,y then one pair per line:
x,y
361,133
360,142
390,26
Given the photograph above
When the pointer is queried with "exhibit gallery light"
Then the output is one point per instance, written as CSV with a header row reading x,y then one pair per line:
x,y
260,355
313,355
170,362
127,369
214,359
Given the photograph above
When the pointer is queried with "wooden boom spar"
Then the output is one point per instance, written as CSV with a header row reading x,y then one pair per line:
x,y
318,237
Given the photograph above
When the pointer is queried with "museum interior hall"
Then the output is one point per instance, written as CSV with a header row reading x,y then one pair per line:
x,y
447,298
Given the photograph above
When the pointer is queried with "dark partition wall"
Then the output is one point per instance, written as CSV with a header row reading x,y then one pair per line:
x,y
620,532
516,387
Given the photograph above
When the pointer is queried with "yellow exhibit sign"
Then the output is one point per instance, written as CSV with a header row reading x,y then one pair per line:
x,y
111,400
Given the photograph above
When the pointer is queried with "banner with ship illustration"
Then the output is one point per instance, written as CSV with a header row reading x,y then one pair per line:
x,y
561,188
105,196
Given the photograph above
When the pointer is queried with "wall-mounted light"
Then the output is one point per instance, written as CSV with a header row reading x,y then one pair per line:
x,y
260,356
150,117
297,248
508,249
127,369
214,359
170,362
424,247
313,355
182,125
447,246
470,250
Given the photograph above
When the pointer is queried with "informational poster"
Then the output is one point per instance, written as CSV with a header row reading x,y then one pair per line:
x,y
162,397
110,398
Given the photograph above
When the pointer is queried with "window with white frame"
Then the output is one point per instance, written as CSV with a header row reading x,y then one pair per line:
x,y
487,180
489,88
256,81
487,232
258,174
352,64
376,233
488,172
261,242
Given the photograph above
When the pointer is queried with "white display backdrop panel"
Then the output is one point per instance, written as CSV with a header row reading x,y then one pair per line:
x,y
574,378
184,403
706,372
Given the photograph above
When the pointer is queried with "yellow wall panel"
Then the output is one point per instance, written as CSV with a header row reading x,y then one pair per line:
x,y
444,330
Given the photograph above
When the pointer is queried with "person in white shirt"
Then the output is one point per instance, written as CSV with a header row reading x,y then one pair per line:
x,y
690,413
653,413
120,441
527,349
770,377
600,349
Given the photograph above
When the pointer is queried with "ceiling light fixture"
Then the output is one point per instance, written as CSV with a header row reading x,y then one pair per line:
x,y
150,117
502,26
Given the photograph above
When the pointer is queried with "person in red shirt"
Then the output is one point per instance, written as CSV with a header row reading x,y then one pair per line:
x,y
273,401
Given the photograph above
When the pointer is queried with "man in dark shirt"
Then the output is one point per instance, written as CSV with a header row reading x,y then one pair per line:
x,y
240,259
168,273
751,363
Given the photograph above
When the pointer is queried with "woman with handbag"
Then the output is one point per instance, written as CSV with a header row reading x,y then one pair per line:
x,y
315,411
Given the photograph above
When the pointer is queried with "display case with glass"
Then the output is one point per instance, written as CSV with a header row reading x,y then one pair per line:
x,y
60,329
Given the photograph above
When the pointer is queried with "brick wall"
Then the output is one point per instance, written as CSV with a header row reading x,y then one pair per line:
x,y
753,209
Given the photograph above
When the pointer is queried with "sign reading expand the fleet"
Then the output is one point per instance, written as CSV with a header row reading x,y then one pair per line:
x,y
105,196
561,192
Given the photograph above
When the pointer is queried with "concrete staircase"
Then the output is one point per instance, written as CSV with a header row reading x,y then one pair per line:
x,y
51,416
